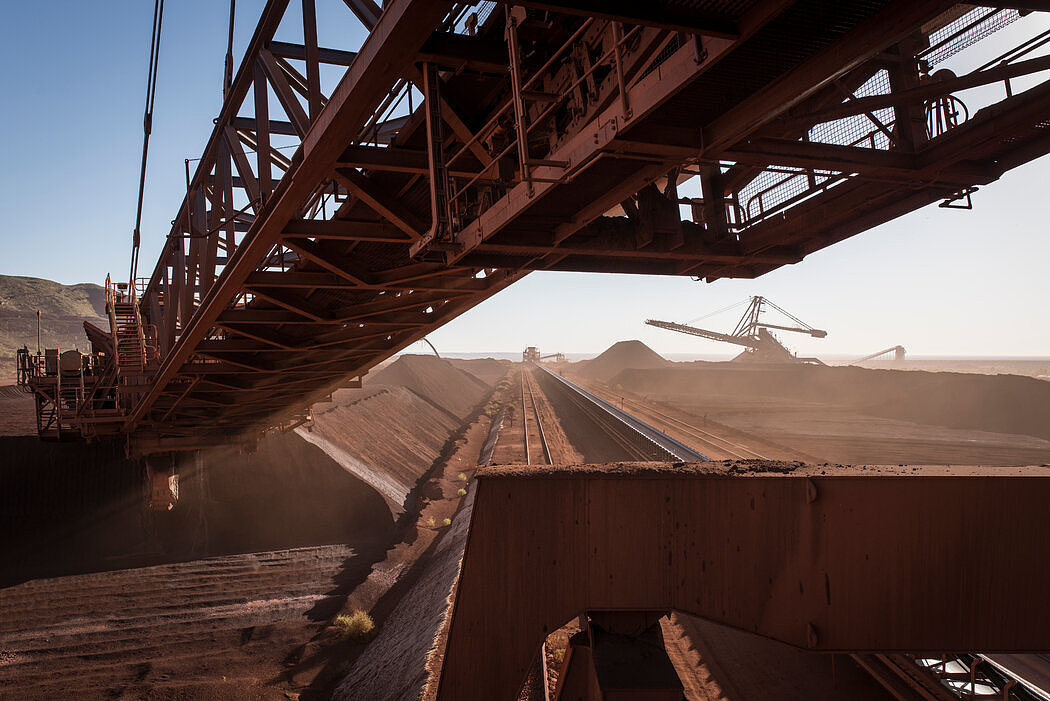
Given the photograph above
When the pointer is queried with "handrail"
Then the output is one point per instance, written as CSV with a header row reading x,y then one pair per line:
x,y
111,313
612,55
138,328
106,381
831,178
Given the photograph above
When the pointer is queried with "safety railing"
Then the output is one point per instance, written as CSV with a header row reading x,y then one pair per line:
x,y
506,134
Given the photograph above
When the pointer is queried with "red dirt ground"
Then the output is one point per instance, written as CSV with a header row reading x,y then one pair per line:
x,y
509,447
854,415
253,625
16,412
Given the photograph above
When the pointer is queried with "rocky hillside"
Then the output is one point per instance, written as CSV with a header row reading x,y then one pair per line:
x,y
64,309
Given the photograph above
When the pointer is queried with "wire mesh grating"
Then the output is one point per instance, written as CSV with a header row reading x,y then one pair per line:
x,y
773,189
966,31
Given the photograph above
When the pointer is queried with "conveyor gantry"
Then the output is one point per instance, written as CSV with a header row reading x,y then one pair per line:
x,y
467,145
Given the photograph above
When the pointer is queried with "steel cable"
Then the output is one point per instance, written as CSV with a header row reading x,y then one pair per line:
x,y
147,128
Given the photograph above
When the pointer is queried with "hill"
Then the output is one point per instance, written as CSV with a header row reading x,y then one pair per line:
x,y
64,308
622,356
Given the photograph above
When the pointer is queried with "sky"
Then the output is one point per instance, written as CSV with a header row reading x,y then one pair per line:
x,y
937,281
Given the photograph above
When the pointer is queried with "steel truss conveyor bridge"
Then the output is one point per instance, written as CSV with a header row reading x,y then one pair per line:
x,y
466,145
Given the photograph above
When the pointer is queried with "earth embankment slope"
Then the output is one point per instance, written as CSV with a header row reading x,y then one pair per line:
x,y
435,380
393,430
997,403
619,357
387,436
399,664
17,411
215,628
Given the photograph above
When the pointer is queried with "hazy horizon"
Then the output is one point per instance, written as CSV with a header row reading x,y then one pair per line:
x,y
415,349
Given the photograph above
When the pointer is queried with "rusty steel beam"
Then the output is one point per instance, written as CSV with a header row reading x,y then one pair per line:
x,y
616,237
896,21
380,202
865,162
465,53
653,14
300,52
934,87
344,230
346,112
393,160
580,153
916,559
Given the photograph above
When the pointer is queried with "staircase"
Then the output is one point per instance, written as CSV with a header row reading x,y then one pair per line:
x,y
128,336
129,341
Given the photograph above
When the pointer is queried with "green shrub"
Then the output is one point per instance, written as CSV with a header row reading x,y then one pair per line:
x,y
461,492
447,522
462,476
357,626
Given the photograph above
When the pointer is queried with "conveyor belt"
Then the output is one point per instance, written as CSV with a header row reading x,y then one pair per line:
x,y
676,450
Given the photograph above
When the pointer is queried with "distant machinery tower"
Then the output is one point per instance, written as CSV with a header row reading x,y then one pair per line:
x,y
532,355
750,332
898,355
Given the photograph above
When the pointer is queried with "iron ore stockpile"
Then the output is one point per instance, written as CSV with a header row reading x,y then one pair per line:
x,y
838,414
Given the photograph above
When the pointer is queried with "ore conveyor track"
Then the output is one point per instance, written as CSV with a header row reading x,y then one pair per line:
x,y
638,440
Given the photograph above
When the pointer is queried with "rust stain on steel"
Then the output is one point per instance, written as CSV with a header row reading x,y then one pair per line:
x,y
882,559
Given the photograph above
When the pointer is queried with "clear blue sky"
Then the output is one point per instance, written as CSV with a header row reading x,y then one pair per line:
x,y
940,282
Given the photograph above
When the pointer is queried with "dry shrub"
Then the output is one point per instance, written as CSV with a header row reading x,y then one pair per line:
x,y
358,626
558,655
